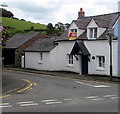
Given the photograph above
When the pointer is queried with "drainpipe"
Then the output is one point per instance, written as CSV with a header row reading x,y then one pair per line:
x,y
24,59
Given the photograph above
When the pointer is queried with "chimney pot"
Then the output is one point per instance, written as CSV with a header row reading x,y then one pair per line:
x,y
81,13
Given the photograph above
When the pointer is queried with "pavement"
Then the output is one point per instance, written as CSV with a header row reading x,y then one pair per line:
x,y
8,82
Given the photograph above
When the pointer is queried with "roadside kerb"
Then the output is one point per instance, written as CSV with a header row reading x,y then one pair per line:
x,y
70,75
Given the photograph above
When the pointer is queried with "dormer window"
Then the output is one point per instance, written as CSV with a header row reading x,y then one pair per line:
x,y
93,33
73,30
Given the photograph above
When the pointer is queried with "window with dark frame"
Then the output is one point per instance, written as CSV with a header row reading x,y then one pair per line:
x,y
41,56
73,30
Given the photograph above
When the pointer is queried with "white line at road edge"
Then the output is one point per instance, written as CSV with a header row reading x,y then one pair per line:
x,y
96,86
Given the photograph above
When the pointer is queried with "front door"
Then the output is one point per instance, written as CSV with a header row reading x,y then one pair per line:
x,y
84,64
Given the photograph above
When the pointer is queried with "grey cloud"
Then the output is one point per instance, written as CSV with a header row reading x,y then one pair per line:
x,y
36,12
30,7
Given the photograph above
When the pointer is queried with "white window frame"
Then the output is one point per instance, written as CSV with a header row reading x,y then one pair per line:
x,y
100,62
70,60
93,33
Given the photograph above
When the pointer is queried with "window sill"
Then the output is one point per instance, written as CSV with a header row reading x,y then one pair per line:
x,y
70,65
92,38
40,62
100,69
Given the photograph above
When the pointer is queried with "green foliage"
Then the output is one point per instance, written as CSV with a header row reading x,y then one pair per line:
x,y
50,29
20,25
13,26
6,34
58,29
6,13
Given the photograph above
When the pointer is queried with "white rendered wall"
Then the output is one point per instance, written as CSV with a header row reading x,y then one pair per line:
x,y
32,61
63,49
74,26
101,48
92,24
56,60
100,31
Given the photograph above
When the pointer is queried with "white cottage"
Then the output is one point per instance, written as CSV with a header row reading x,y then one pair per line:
x,y
83,48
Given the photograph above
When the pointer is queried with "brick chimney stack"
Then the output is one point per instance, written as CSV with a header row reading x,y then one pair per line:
x,y
81,13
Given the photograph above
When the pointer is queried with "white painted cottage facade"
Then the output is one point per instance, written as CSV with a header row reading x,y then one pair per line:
x,y
88,53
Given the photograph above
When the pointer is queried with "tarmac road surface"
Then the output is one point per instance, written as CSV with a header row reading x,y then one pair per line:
x,y
58,94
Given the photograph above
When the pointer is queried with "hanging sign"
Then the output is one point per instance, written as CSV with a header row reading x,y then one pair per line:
x,y
72,35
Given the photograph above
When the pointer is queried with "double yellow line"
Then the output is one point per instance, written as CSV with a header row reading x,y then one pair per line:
x,y
18,90
28,87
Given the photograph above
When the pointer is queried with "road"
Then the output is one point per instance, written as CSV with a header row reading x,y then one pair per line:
x,y
55,94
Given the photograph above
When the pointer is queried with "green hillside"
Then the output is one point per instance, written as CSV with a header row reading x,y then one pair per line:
x,y
20,25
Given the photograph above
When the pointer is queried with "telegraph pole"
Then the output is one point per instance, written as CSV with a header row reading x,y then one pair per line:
x,y
110,35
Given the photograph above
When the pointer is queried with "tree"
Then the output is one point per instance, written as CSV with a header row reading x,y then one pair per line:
x,y
50,29
58,29
67,25
6,34
59,26
6,13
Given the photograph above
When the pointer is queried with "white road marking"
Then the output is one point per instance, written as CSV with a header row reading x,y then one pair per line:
x,y
53,102
101,86
25,102
90,85
34,104
34,83
49,100
114,97
109,95
67,99
97,99
91,97
5,105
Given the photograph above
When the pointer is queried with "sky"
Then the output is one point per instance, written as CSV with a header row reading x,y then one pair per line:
x,y
54,11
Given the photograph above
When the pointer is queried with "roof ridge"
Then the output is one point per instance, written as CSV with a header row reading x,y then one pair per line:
x,y
102,15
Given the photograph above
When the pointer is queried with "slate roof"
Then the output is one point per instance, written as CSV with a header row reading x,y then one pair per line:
x,y
20,39
81,25
105,21
79,48
42,45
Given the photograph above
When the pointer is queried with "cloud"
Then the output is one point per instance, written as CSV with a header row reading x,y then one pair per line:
x,y
53,11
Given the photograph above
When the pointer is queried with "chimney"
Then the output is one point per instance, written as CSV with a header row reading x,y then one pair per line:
x,y
81,13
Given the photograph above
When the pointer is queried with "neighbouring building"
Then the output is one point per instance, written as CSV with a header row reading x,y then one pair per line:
x,y
13,50
40,55
83,48
118,27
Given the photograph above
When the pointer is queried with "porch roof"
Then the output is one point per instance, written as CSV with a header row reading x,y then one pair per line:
x,y
79,48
